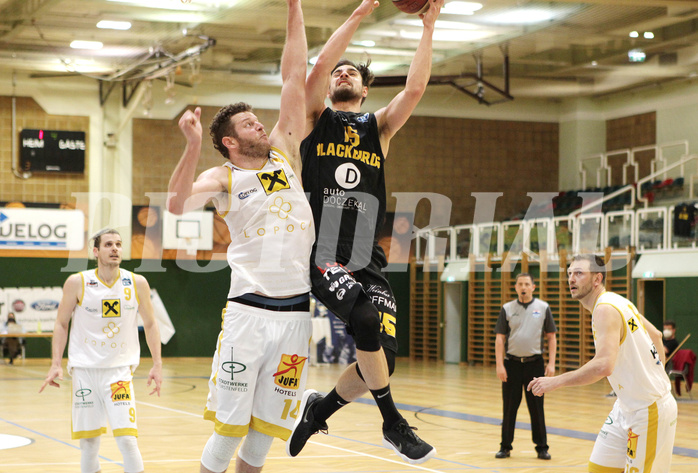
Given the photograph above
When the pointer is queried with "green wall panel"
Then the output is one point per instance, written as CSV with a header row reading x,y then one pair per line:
x,y
194,301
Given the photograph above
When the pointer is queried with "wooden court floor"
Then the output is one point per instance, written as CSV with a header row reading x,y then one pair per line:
x,y
457,409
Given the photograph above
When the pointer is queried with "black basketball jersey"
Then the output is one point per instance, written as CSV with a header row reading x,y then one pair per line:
x,y
684,215
343,172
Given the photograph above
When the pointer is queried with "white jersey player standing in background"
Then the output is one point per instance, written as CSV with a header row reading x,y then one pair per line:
x,y
638,435
104,350
259,367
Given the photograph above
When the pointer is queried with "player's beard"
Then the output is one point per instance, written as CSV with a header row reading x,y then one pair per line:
x,y
254,149
344,94
582,292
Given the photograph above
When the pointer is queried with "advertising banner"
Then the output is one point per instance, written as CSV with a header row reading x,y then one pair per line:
x,y
42,229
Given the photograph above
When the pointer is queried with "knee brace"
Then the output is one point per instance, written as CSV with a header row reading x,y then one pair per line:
x,y
366,325
89,455
255,448
218,452
389,358
133,462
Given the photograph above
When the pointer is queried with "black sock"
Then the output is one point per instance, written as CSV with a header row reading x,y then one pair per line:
x,y
328,406
384,400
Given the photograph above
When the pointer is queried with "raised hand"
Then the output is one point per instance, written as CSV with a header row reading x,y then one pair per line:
x,y
367,7
429,16
190,124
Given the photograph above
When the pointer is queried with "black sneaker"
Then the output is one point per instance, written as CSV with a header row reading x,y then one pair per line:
x,y
401,438
305,425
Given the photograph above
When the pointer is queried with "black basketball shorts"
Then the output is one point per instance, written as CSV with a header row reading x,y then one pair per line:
x,y
339,290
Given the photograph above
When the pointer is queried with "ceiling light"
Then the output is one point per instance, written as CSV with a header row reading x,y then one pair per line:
x,y
114,25
367,43
648,35
594,63
192,5
382,52
77,44
448,35
440,24
634,34
461,8
524,16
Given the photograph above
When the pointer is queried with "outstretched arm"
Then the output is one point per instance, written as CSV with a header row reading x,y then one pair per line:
x,y
393,117
185,194
152,331
318,80
289,130
72,291
609,325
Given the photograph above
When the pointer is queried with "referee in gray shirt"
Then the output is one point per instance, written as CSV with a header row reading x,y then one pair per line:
x,y
521,327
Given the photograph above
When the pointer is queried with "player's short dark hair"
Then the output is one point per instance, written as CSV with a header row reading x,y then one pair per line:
x,y
98,237
670,323
221,125
596,264
525,275
366,74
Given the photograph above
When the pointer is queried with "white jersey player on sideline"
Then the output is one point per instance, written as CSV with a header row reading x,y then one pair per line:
x,y
638,435
104,350
259,367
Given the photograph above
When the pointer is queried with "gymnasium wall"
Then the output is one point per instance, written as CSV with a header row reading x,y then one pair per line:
x,y
682,309
450,156
194,301
453,155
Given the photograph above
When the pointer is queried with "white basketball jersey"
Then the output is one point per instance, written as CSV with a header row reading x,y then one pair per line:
x,y
271,229
638,378
104,328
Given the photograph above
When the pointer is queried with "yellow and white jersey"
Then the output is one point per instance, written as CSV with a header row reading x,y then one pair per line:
x,y
638,378
271,229
104,328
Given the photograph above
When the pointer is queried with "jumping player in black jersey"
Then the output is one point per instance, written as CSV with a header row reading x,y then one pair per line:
x,y
343,171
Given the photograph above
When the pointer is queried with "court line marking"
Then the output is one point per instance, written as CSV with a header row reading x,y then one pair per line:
x,y
316,443
401,463
576,434
56,440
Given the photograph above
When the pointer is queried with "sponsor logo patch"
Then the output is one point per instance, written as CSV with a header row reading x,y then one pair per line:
x,y
82,393
632,443
121,391
245,194
111,308
288,374
273,181
632,324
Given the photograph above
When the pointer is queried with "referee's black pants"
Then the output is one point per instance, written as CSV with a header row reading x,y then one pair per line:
x,y
518,376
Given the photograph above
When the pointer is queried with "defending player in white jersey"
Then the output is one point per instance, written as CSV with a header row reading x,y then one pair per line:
x,y
638,435
104,350
259,366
